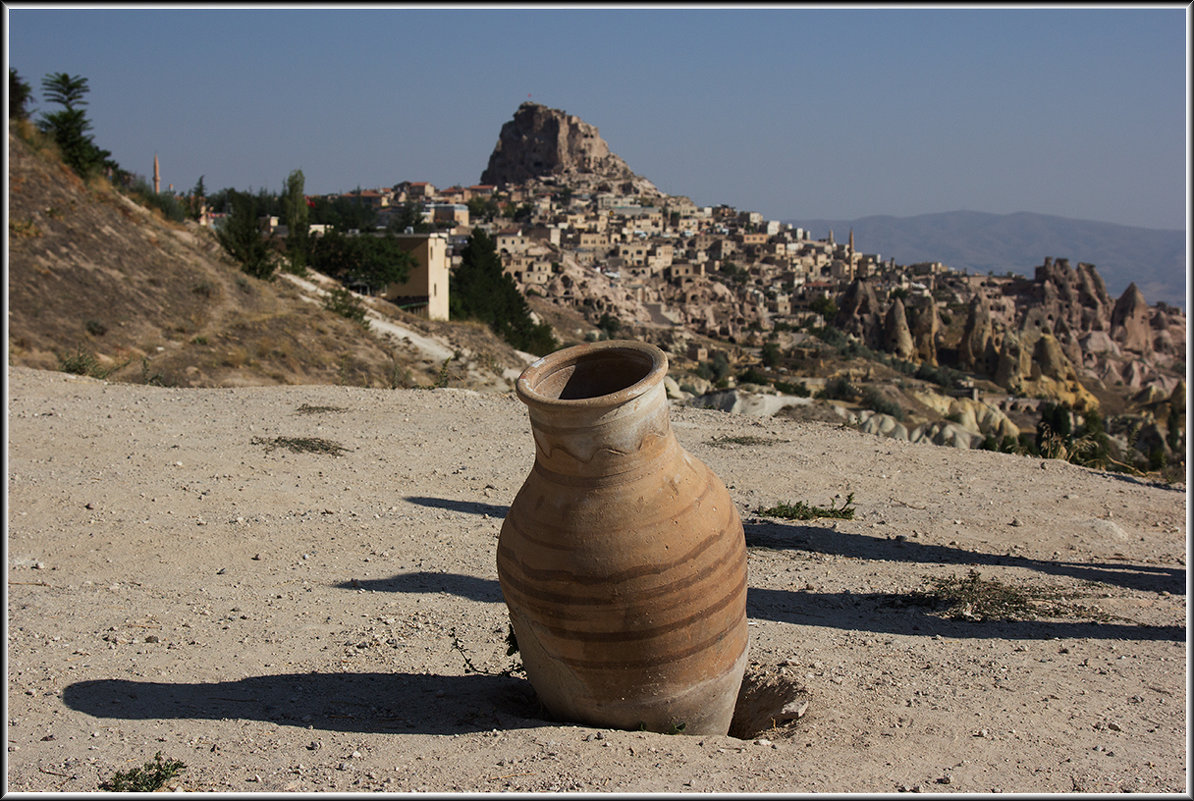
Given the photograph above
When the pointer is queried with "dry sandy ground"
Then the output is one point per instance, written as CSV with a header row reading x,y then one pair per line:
x,y
317,621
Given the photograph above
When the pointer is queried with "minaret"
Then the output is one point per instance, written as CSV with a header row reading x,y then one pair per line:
x,y
157,176
850,256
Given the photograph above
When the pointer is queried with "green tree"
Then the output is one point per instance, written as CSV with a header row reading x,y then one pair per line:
x,y
408,215
269,204
1054,431
482,209
196,199
344,213
19,93
824,306
241,236
376,261
66,90
68,128
295,209
771,354
479,289
610,325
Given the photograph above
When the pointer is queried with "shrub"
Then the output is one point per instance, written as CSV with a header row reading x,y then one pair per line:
x,y
753,375
800,389
802,511
839,389
150,777
873,399
346,304
165,202
83,362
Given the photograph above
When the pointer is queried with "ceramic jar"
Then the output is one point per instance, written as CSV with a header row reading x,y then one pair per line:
x,y
622,559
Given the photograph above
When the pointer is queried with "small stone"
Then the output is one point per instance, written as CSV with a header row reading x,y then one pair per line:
x,y
1016,521
1114,726
793,710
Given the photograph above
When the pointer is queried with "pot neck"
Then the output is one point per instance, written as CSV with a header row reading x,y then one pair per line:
x,y
616,442
598,410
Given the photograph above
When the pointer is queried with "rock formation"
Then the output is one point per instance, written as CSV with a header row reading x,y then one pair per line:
x,y
897,338
976,337
1130,322
924,325
1078,298
859,313
541,141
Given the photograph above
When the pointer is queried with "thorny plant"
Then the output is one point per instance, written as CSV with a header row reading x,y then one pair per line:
x,y
802,511
150,777
971,597
301,445
747,439
307,408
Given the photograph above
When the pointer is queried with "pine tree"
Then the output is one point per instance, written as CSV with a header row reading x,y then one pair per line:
x,y
19,93
294,207
241,236
68,128
481,290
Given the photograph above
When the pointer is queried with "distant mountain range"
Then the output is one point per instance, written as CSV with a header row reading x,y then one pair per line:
x,y
979,242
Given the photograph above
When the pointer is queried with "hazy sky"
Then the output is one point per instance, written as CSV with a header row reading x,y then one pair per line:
x,y
795,112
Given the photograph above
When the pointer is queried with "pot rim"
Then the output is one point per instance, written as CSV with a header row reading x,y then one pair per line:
x,y
538,371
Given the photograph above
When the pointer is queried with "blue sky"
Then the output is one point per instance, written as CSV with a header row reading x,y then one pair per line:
x,y
794,112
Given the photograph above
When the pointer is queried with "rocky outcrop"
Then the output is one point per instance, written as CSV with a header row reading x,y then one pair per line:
x,y
1011,363
541,141
860,314
1049,361
1130,322
1077,299
897,338
976,338
924,325
754,404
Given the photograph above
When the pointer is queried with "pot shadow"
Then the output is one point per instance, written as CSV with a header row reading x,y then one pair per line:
x,y
816,539
348,702
424,581
895,613
469,507
892,613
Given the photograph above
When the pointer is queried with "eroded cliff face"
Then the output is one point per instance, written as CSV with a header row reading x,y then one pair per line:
x,y
541,141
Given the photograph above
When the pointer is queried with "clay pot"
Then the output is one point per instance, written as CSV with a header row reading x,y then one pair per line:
x,y
622,559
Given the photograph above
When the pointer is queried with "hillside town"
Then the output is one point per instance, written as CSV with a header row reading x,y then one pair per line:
x,y
575,227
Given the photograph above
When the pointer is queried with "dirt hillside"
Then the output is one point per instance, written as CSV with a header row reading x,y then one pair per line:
x,y
185,578
125,294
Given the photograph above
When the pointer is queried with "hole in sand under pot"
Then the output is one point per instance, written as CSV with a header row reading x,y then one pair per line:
x,y
770,703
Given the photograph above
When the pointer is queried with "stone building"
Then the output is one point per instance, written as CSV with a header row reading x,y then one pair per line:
x,y
425,291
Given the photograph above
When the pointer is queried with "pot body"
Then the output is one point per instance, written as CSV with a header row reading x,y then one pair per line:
x,y
622,559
